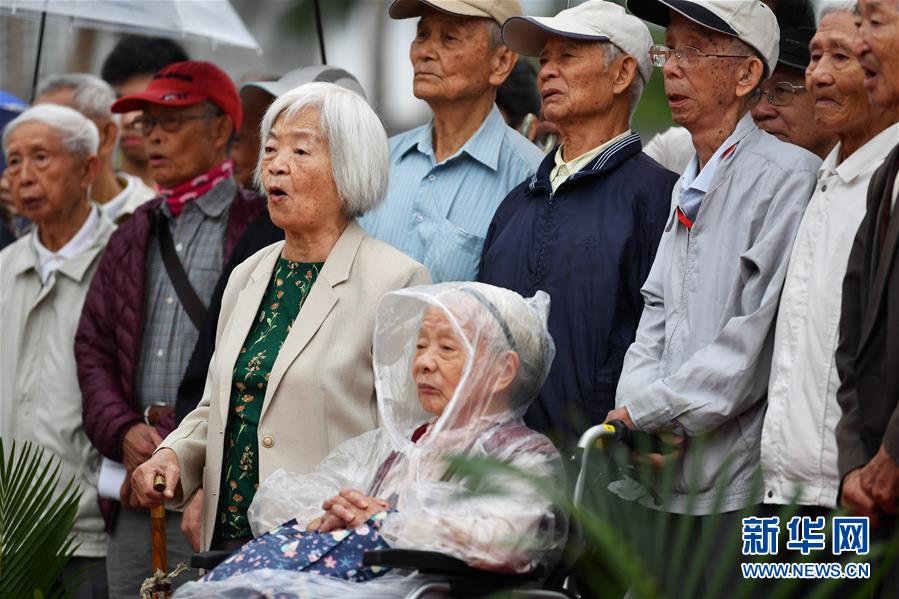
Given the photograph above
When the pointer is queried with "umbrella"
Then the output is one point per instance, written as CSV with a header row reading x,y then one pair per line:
x,y
214,21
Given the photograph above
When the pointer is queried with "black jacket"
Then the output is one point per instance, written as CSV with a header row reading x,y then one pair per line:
x,y
590,246
868,353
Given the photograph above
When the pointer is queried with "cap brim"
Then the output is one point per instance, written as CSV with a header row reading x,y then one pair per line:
x,y
407,9
268,87
138,101
792,62
528,35
658,12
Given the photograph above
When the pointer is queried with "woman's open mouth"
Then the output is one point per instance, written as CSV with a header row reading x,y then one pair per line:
x,y
276,193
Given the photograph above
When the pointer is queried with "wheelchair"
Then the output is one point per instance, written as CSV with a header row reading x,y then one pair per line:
x,y
448,576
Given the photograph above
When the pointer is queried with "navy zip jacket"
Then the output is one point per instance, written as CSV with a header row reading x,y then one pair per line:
x,y
590,246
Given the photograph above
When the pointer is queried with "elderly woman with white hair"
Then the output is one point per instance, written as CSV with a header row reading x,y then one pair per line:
x,y
44,277
292,376
456,366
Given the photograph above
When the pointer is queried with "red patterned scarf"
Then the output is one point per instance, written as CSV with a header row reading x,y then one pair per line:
x,y
179,195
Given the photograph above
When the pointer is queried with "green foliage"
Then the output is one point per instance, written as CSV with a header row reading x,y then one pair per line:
x,y
657,555
36,520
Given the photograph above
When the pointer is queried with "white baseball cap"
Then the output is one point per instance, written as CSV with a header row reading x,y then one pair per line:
x,y
303,75
594,20
498,10
748,20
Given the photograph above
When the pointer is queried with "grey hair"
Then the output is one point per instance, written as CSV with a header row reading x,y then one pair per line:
x,y
496,34
611,53
826,7
79,134
356,138
92,95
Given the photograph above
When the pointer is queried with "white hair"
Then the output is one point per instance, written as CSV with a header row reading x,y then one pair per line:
x,y
92,96
826,7
356,138
611,53
79,134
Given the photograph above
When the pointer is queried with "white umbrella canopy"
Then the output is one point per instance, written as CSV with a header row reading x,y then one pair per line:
x,y
214,21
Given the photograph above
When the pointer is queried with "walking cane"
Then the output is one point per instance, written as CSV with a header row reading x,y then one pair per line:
x,y
160,554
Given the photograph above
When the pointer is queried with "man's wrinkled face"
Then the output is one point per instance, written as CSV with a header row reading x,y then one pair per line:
x,y
835,78
794,122
698,95
451,57
878,50
573,81
188,151
46,179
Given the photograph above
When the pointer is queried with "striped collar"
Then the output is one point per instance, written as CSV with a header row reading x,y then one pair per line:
x,y
607,160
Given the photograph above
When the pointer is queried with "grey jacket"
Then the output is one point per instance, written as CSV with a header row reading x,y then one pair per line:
x,y
39,396
700,363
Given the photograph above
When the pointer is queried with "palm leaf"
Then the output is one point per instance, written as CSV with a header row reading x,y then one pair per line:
x,y
634,548
36,521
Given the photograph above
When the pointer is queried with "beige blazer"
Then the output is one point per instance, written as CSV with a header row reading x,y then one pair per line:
x,y
321,390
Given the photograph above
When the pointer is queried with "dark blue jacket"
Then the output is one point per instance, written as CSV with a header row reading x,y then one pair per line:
x,y
590,246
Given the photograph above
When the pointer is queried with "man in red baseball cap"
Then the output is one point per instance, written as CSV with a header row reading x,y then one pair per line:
x,y
142,314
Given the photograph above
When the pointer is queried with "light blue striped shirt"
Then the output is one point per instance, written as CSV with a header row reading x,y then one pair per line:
x,y
438,214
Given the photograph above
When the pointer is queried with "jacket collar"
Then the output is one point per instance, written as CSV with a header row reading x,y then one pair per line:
x,y
337,266
607,160
75,268
321,300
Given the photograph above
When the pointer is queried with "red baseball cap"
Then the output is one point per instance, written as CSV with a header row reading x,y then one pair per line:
x,y
186,83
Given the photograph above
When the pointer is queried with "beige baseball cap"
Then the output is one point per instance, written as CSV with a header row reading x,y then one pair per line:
x,y
498,10
594,20
748,20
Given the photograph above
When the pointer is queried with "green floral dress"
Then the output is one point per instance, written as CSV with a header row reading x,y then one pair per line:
x,y
288,289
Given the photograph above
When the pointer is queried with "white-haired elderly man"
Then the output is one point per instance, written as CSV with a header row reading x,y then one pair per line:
x,y
700,365
447,177
51,152
119,194
585,228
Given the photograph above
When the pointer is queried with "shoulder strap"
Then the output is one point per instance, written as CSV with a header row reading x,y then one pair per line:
x,y
187,295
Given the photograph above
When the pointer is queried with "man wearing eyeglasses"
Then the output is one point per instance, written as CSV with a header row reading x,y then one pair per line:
x,y
783,106
142,314
699,367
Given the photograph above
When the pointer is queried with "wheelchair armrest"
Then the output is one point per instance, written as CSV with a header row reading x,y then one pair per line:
x,y
433,562
208,560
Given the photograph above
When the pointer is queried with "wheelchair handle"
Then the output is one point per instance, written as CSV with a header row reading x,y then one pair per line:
x,y
614,430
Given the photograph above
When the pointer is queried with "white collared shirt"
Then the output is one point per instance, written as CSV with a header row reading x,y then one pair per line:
x,y
134,193
799,450
50,261
563,170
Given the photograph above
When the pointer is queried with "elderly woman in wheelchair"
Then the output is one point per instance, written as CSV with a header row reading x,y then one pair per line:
x,y
456,366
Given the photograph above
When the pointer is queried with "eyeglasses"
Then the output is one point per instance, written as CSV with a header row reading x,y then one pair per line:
x,y
145,123
685,56
782,94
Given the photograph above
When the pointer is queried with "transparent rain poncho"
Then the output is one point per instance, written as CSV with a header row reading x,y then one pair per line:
x,y
511,528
